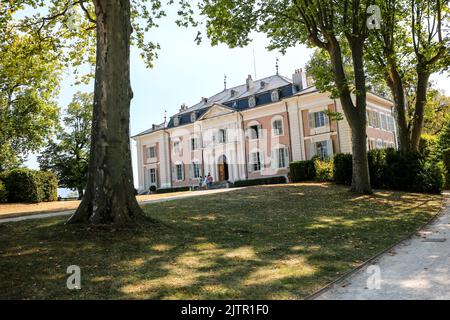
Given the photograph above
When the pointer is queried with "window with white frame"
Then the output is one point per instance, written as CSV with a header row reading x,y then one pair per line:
x,y
255,161
152,175
222,136
196,170
383,122
150,152
379,144
375,119
317,119
275,95
322,149
254,132
280,158
391,125
194,143
179,172
176,147
277,127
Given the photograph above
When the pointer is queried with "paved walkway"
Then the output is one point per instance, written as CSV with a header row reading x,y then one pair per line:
x,y
418,268
28,216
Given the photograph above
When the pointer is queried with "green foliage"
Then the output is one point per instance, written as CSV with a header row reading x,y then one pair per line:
x,y
302,171
48,183
29,83
446,163
3,192
343,168
377,165
174,189
324,170
68,158
260,181
26,185
397,170
444,136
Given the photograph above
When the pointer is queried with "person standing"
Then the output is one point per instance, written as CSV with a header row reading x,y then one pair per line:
x,y
205,182
210,180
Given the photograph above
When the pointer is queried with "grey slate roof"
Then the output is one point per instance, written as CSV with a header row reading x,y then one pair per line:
x,y
237,101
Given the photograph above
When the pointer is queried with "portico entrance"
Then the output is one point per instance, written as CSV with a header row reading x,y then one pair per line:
x,y
222,168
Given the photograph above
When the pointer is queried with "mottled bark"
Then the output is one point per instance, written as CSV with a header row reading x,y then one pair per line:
x,y
109,196
423,77
395,84
355,114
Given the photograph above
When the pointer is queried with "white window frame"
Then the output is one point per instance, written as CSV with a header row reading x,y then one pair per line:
x,y
276,132
280,151
194,143
196,165
177,147
222,136
152,176
255,155
177,172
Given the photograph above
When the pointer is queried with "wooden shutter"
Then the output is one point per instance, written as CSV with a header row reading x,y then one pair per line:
x,y
311,120
312,150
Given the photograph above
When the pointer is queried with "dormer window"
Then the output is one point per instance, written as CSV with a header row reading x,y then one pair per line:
x,y
233,92
263,84
251,102
193,117
176,121
275,95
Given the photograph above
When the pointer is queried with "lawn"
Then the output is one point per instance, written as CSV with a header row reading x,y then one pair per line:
x,y
268,242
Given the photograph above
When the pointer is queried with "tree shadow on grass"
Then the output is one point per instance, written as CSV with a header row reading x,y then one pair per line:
x,y
255,243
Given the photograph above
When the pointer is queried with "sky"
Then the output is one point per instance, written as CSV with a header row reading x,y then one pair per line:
x,y
184,72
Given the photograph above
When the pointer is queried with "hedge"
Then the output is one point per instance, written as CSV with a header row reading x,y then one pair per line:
x,y
174,189
393,169
446,160
260,181
3,192
342,170
302,171
25,185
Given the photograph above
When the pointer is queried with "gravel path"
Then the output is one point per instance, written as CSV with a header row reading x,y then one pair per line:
x,y
418,268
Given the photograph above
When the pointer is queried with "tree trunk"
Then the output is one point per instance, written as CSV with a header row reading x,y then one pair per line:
x,y
356,115
421,100
395,83
80,193
109,197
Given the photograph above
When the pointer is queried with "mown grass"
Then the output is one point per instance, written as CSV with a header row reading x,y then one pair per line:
x,y
268,242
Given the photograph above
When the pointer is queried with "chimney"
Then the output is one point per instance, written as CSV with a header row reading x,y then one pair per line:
x,y
299,81
249,82
183,107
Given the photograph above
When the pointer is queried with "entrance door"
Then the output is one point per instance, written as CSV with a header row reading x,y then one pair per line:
x,y
222,167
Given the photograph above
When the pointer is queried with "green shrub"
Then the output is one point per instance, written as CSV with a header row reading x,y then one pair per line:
x,y
324,170
446,163
302,171
260,181
377,164
430,177
3,193
342,171
48,183
25,185
174,189
393,169
22,186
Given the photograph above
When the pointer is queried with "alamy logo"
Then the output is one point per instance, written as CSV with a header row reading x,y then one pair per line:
x,y
374,280
374,19
74,280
